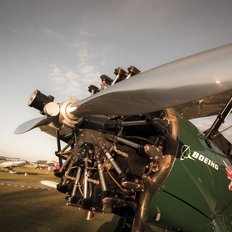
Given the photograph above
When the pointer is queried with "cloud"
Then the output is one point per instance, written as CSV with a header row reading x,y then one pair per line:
x,y
65,81
53,34
75,83
82,46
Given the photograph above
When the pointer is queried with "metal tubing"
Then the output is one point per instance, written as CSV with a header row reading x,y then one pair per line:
x,y
65,163
89,215
114,164
86,179
76,182
101,176
134,123
115,79
121,153
58,146
127,142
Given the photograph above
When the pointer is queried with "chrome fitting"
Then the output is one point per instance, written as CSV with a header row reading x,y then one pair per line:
x,y
66,116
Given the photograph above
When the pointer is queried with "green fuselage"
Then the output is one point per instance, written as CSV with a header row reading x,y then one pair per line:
x,y
194,196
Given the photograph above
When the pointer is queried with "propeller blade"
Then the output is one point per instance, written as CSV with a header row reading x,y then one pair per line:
x,y
169,85
33,123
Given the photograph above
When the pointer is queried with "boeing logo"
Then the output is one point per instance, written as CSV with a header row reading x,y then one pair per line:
x,y
186,153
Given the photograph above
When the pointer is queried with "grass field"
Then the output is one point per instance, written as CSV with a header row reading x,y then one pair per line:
x,y
37,210
24,209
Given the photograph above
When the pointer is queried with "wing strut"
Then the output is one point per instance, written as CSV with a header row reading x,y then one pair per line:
x,y
219,120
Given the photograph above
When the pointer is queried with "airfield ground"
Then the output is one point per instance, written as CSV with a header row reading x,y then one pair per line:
x,y
26,207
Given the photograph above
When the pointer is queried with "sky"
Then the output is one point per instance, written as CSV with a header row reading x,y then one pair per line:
x,y
62,46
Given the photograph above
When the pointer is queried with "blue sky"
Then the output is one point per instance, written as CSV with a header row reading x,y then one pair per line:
x,y
62,46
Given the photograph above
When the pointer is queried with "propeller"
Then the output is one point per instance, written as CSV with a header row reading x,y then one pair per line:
x,y
191,78
33,123
172,84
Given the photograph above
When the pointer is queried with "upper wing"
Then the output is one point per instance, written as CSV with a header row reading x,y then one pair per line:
x,y
204,107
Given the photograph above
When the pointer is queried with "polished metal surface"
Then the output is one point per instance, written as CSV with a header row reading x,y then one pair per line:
x,y
45,124
154,182
182,81
33,123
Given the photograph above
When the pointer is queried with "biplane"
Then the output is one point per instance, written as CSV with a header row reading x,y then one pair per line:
x,y
11,165
130,149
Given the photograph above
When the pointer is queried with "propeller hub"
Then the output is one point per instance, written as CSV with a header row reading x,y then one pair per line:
x,y
66,113
51,109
